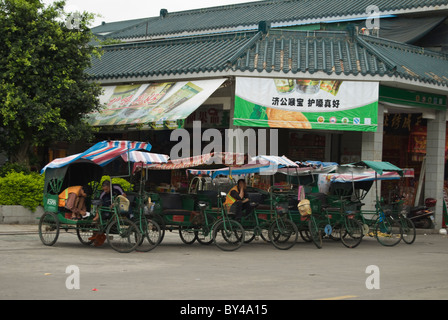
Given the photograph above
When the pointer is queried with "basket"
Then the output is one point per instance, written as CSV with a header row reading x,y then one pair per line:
x,y
123,204
304,207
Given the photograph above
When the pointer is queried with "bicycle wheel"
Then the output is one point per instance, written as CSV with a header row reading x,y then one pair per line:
x,y
123,235
228,235
351,233
315,232
204,230
388,231
84,233
187,235
409,233
151,237
249,235
283,234
48,228
305,235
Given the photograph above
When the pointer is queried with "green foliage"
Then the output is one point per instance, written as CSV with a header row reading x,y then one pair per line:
x,y
127,186
10,166
18,188
44,90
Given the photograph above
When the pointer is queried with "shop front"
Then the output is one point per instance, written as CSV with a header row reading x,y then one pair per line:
x,y
415,138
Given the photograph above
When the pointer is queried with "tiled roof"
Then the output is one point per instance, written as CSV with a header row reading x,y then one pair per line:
x,y
287,53
339,53
169,57
240,17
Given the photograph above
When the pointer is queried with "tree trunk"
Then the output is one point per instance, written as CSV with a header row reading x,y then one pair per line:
x,y
22,154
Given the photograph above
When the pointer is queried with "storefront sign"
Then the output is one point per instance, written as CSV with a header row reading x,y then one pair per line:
x,y
412,98
211,116
306,104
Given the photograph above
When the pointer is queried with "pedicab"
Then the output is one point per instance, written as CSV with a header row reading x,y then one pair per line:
x,y
150,229
356,179
305,210
108,223
267,220
197,217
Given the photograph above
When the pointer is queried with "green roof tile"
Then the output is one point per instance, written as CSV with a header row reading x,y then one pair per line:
x,y
247,16
289,53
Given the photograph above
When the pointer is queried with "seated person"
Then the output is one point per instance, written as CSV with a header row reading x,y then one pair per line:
x,y
74,199
237,200
105,196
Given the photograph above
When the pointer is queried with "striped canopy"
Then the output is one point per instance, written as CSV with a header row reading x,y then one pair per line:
x,y
276,160
101,153
145,157
224,158
366,176
259,164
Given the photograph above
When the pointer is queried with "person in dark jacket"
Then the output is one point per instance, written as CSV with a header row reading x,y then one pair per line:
x,y
237,200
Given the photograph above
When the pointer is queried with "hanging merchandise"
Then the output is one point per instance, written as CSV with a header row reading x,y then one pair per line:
x,y
417,143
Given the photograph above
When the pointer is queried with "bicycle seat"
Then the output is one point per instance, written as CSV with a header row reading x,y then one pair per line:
x,y
253,204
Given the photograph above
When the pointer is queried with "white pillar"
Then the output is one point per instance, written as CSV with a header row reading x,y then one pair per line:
x,y
435,162
372,149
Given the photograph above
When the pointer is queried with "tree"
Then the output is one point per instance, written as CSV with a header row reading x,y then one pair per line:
x,y
45,92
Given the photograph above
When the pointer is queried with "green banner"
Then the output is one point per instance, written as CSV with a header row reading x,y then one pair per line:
x,y
412,98
306,104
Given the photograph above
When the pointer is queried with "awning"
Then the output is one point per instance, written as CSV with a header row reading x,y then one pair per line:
x,y
153,105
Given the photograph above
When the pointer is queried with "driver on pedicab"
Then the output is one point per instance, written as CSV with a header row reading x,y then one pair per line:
x,y
237,200
98,238
105,196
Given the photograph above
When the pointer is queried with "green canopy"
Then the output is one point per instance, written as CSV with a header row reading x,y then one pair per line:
x,y
379,166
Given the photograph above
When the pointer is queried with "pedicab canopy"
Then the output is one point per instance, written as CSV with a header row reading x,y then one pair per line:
x,y
378,166
83,168
208,159
101,153
259,164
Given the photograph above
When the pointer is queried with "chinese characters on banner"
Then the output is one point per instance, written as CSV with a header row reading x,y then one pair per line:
x,y
307,104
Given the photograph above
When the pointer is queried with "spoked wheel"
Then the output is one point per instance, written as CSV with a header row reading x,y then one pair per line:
x,y
187,235
336,232
315,232
283,234
123,235
228,235
388,232
409,233
351,233
264,232
84,233
49,228
305,235
204,230
249,235
151,237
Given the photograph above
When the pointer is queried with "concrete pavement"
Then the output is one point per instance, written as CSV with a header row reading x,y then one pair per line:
x,y
255,272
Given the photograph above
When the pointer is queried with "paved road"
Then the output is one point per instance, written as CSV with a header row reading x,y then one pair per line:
x,y
257,271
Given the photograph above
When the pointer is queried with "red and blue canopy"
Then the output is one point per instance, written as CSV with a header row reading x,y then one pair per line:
x,y
141,157
101,153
